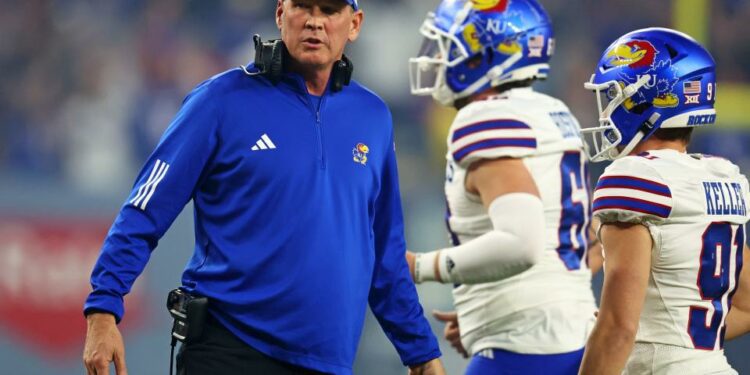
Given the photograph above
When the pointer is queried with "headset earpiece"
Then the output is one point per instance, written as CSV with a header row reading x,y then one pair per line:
x,y
269,57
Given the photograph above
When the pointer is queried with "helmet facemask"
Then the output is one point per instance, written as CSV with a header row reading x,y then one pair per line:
x,y
440,51
601,142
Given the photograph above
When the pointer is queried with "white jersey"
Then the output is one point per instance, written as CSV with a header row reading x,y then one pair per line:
x,y
550,307
695,208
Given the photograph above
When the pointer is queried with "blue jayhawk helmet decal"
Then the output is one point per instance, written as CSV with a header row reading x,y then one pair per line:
x,y
646,80
472,45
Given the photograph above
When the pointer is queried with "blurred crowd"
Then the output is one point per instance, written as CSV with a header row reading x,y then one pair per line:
x,y
87,87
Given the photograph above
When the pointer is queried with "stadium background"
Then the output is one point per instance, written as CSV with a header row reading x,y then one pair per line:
x,y
87,87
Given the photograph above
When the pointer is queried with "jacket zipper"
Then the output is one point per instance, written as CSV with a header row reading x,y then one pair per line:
x,y
318,120
318,128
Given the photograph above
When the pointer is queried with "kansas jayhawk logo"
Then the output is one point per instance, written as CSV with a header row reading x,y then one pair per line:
x,y
644,58
634,54
360,152
476,34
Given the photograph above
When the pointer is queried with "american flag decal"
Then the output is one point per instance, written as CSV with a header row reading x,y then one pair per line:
x,y
691,87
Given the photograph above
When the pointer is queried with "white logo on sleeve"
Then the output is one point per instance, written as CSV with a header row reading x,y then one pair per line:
x,y
146,191
264,143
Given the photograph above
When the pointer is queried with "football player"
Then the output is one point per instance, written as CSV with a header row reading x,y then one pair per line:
x,y
516,187
672,222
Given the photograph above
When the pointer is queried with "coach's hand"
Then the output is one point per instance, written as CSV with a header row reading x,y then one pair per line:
x,y
433,367
451,332
103,345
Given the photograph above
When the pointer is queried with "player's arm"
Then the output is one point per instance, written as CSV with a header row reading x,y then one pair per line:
x,y
594,255
628,251
511,198
738,320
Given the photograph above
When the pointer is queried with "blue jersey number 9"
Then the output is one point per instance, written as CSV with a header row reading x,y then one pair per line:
x,y
714,283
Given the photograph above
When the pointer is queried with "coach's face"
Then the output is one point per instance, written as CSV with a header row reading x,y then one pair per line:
x,y
316,31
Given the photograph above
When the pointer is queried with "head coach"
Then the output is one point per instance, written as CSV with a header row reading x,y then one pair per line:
x,y
291,168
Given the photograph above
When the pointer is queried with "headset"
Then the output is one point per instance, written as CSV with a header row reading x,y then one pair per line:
x,y
271,55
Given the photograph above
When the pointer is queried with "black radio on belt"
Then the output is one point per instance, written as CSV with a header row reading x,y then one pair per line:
x,y
271,55
189,313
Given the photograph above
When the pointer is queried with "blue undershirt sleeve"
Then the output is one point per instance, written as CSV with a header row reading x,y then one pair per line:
x,y
163,187
393,296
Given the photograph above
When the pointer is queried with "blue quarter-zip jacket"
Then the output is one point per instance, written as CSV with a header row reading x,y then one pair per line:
x,y
298,220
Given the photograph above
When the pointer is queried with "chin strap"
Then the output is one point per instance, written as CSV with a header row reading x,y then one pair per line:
x,y
646,128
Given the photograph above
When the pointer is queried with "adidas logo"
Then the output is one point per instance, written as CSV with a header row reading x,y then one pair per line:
x,y
264,143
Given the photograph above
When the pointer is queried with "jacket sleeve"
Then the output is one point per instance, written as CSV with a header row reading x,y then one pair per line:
x,y
163,187
393,296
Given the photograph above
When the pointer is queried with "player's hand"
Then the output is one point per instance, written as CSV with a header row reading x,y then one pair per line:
x,y
451,332
433,367
411,259
103,345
